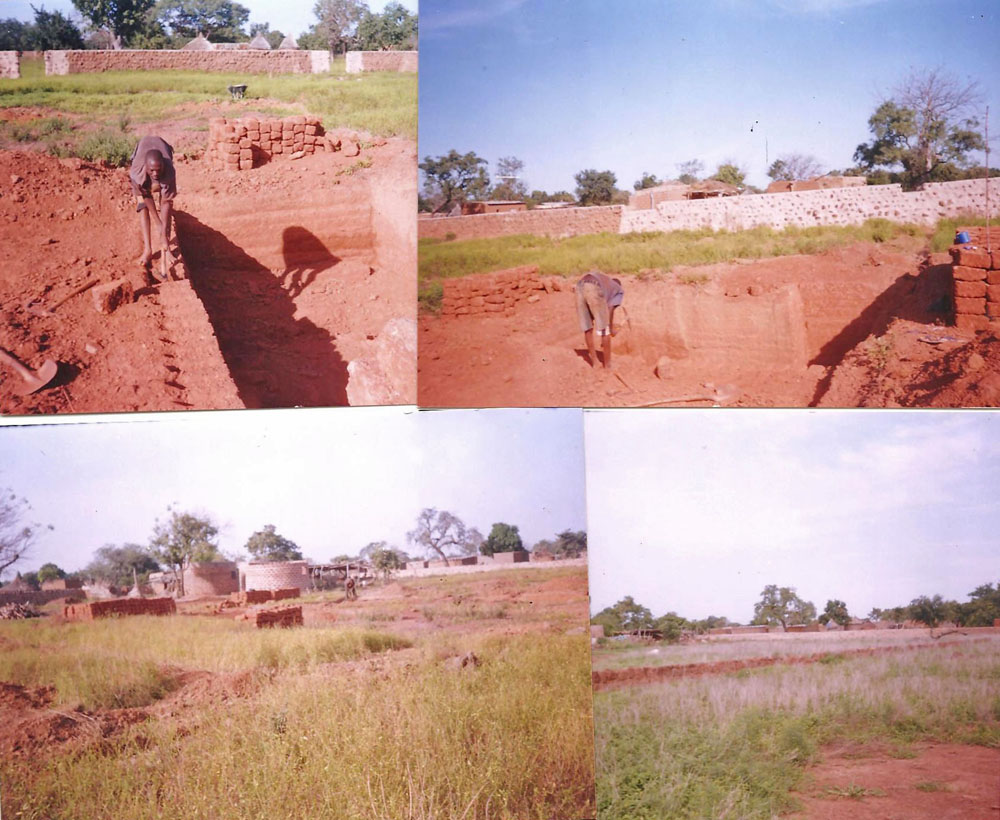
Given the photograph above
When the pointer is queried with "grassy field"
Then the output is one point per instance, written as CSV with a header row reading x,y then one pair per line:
x,y
736,745
316,722
383,103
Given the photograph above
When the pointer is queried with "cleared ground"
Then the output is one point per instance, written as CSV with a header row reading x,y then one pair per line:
x,y
877,724
366,711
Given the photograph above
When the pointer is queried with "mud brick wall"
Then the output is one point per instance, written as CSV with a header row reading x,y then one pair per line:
x,y
239,144
496,293
211,578
556,222
975,273
514,557
120,607
358,61
10,65
274,575
285,616
38,598
284,594
243,61
250,597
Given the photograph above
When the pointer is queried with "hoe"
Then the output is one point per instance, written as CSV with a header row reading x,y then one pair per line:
x,y
33,380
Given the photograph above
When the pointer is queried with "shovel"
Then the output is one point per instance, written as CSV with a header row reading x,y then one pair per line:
x,y
33,380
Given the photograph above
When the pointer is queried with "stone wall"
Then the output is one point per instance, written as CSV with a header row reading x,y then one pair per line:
x,y
10,65
403,61
120,607
976,281
555,222
240,144
497,292
243,61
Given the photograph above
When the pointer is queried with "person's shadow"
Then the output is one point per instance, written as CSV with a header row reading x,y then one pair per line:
x,y
275,359
305,257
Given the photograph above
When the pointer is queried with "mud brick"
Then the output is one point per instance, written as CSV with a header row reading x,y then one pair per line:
x,y
995,260
993,293
970,290
253,136
310,129
246,153
252,123
276,148
492,307
970,306
309,140
246,165
494,299
298,119
966,274
993,277
309,149
462,311
112,295
229,131
976,258
972,323
477,301
245,143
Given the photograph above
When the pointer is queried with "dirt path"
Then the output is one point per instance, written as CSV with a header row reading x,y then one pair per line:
x,y
768,333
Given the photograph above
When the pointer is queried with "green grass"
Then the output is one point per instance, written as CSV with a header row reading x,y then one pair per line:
x,y
384,103
944,233
737,745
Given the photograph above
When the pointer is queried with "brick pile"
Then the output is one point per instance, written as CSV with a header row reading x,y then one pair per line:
x,y
120,607
10,65
976,281
261,596
284,617
239,144
497,292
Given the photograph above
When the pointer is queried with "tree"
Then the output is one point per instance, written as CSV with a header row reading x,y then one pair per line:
x,y
595,187
795,166
394,28
267,545
17,536
116,566
509,170
730,173
337,22
647,180
182,540
13,34
927,126
929,611
690,171
219,20
983,606
383,558
49,572
456,176
672,626
274,38
624,616
835,611
570,543
502,538
781,605
121,18
31,579
52,30
312,40
440,530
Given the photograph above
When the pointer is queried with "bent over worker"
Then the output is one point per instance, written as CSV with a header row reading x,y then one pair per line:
x,y
152,172
597,296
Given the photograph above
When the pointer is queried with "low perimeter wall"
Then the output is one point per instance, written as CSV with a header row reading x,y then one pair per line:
x,y
554,222
497,292
10,65
120,607
39,597
976,281
247,61
239,144
358,61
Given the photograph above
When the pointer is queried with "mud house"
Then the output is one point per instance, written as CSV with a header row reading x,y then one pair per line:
x,y
211,578
274,575
825,182
498,206
651,197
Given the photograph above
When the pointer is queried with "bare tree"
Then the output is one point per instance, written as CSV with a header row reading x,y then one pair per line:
x,y
440,530
795,166
16,535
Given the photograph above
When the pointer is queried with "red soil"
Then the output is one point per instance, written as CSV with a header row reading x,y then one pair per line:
x,y
297,264
789,331
958,783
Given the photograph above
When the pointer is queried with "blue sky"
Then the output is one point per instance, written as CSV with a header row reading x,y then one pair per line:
x,y
330,480
289,17
643,85
697,511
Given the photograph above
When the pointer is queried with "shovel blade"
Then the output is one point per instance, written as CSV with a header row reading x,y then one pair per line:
x,y
38,379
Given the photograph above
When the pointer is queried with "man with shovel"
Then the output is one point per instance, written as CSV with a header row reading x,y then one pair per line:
x,y
597,296
151,172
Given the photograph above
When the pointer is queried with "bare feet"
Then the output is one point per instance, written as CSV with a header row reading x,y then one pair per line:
x,y
145,259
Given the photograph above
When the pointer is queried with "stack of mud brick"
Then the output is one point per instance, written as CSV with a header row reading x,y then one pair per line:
x,y
120,607
284,616
260,596
976,277
240,144
496,293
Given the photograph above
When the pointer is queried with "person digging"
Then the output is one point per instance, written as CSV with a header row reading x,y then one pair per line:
x,y
152,172
597,296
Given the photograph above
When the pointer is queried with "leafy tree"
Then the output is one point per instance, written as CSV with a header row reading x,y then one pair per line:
x,y
795,166
570,543
394,28
835,611
338,21
52,30
312,40
16,535
121,18
182,540
438,531
49,572
595,187
385,559
690,171
731,174
624,616
502,538
509,170
273,38
983,606
876,614
672,626
267,545
219,20
929,611
927,126
711,622
647,180
31,579
13,34
781,605
455,176
118,565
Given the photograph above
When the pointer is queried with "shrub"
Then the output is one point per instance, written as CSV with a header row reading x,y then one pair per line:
x,y
108,147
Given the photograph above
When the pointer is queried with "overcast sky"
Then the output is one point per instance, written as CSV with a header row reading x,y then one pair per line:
x,y
293,17
567,85
697,511
330,480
